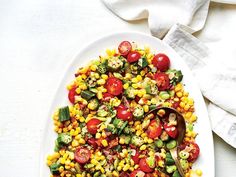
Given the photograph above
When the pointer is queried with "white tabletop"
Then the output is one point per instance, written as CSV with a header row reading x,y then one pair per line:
x,y
37,40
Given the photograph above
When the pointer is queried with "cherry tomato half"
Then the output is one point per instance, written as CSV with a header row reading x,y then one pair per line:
x,y
92,142
114,86
161,61
138,173
194,153
123,174
82,155
171,130
133,56
124,48
71,95
124,113
107,96
144,166
154,129
163,81
92,125
136,158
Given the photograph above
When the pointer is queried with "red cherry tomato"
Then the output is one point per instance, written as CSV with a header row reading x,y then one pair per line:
x,y
133,56
161,61
92,125
194,150
163,81
154,129
71,95
107,96
114,86
92,142
138,173
136,158
124,113
123,174
144,166
82,155
149,175
124,48
171,130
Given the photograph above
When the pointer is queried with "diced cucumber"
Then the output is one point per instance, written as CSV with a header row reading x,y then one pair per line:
x,y
171,144
54,168
87,95
64,114
137,141
129,92
138,112
159,143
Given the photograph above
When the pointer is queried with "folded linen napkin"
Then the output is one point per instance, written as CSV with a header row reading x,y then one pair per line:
x,y
216,83
162,14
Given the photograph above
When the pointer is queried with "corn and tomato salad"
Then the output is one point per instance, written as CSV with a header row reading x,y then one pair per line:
x,y
106,129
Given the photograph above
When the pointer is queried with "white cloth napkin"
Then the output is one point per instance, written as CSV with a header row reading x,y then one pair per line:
x,y
162,14
216,82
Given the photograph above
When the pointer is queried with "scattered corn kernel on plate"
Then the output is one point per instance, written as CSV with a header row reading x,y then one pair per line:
x,y
101,121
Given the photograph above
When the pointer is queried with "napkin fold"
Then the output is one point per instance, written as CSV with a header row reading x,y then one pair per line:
x,y
162,14
177,21
217,83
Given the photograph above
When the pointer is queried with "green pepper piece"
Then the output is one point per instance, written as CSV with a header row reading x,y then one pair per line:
x,y
54,168
87,95
159,143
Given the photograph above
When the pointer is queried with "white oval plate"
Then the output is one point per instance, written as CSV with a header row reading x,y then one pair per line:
x,y
92,51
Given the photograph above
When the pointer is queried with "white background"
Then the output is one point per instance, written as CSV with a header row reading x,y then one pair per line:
x,y
37,40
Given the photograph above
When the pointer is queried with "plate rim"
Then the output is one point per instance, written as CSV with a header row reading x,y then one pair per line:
x,y
62,78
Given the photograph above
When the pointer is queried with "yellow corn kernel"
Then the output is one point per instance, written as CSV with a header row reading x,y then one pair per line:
x,y
137,123
178,87
131,122
160,163
104,76
101,82
49,162
185,93
145,139
199,172
84,76
151,153
102,157
99,95
98,135
104,143
102,127
81,141
134,80
126,85
154,101
142,73
115,173
193,118
135,86
143,147
126,167
78,175
182,104
143,135
188,115
119,168
93,67
102,170
122,141
96,75
75,143
136,166
179,94
104,134
94,162
176,99
78,90
150,141
138,132
139,77
146,108
186,107
62,160
161,112
61,169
